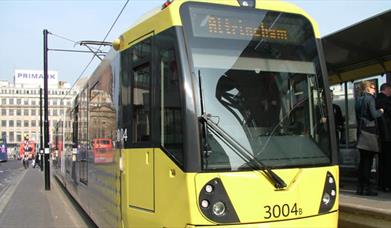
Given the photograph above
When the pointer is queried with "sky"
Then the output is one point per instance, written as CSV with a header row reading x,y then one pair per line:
x,y
22,23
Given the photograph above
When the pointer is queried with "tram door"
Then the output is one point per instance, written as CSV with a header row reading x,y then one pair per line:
x,y
136,119
141,194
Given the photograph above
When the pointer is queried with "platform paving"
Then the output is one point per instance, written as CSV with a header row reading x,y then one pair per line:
x,y
28,204
364,211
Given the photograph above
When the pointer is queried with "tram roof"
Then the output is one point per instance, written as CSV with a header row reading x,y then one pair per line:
x,y
160,19
360,50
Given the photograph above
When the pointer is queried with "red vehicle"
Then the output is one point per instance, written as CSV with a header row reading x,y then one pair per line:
x,y
103,150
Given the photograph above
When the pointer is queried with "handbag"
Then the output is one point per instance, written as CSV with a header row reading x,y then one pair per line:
x,y
368,141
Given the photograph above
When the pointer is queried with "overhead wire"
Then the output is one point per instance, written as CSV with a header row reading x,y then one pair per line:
x,y
98,49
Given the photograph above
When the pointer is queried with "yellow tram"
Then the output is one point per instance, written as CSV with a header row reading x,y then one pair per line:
x,y
213,113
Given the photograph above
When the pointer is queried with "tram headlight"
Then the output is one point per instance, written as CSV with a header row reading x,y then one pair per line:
x,y
326,198
208,188
329,194
204,203
215,204
218,208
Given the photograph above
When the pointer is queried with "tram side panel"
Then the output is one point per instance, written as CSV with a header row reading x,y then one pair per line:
x,y
102,188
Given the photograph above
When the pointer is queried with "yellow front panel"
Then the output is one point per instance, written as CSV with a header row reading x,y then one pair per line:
x,y
255,199
177,195
141,183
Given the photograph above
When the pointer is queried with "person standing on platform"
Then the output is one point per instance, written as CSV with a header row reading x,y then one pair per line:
x,y
383,100
339,120
366,114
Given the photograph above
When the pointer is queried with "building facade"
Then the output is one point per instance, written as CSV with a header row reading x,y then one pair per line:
x,y
20,105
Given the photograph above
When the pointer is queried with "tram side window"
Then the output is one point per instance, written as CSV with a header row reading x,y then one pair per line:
x,y
141,131
136,93
83,140
75,127
171,108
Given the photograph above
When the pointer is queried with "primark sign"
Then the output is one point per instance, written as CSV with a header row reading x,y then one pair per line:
x,y
34,77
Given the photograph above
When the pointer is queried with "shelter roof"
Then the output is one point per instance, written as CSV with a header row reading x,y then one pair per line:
x,y
360,50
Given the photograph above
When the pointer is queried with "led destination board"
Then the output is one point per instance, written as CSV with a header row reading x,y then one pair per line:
x,y
246,25
237,28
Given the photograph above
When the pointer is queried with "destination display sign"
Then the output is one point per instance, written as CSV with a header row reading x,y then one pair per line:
x,y
239,28
241,25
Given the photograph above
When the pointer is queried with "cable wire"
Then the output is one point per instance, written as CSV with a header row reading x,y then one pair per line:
x,y
98,49
62,37
115,21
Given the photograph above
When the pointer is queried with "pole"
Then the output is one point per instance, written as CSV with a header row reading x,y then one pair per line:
x,y
46,121
41,130
346,115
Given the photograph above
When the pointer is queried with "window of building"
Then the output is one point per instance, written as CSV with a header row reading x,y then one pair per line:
x,y
18,112
4,123
11,101
18,123
3,101
10,123
18,136
3,112
26,102
33,102
26,112
11,112
33,112
18,101
33,123
25,123
55,113
54,102
11,137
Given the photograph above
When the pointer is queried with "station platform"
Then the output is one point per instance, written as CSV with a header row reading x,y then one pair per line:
x,y
363,211
26,203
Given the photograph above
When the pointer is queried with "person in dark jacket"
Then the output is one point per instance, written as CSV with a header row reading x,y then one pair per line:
x,y
366,113
339,120
383,100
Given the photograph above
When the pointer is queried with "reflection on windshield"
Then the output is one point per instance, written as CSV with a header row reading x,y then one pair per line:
x,y
269,113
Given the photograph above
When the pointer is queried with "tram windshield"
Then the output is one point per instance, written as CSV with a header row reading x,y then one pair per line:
x,y
261,83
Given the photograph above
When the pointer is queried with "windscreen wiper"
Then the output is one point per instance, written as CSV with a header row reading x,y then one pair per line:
x,y
242,152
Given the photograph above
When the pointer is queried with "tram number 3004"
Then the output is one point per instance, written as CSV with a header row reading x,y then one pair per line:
x,y
276,211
